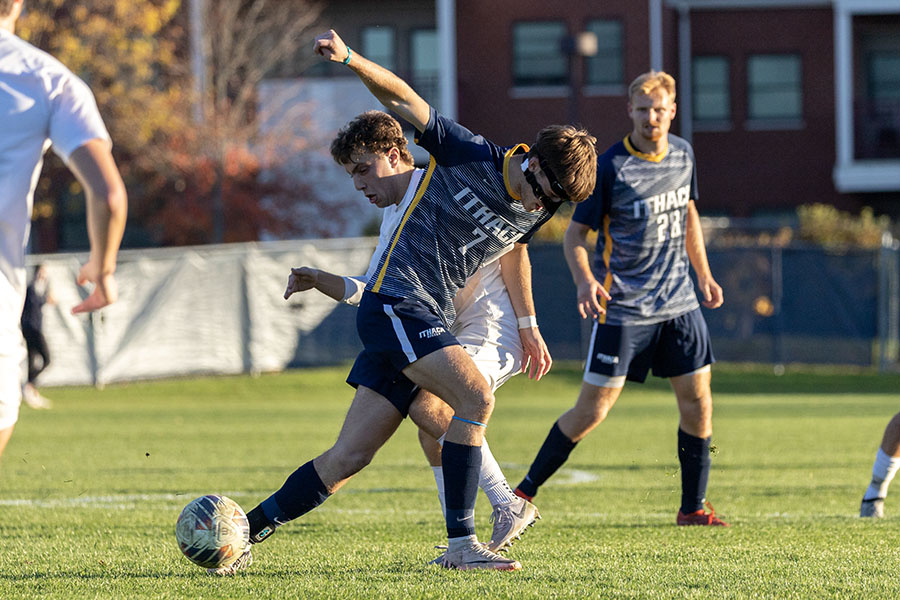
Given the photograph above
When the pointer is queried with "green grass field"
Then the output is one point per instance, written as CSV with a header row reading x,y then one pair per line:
x,y
90,491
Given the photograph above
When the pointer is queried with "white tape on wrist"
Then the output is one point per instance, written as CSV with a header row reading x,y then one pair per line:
x,y
527,322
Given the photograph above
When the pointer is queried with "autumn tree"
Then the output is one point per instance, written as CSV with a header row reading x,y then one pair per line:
x,y
194,176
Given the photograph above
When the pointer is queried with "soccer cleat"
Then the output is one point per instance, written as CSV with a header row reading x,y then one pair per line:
x,y
510,522
701,518
34,399
243,561
476,556
873,507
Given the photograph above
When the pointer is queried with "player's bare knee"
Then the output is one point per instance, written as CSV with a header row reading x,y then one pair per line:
x,y
480,406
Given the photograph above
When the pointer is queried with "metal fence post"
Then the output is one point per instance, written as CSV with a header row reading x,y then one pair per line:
x,y
888,302
777,297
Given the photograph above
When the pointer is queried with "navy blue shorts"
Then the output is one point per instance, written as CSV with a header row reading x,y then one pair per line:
x,y
671,348
395,333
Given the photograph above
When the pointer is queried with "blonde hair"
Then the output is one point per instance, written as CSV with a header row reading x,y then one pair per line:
x,y
650,81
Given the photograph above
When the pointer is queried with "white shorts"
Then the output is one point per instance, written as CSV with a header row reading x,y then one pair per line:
x,y
486,326
12,353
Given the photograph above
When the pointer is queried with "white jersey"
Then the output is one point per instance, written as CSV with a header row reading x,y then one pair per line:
x,y
485,323
42,105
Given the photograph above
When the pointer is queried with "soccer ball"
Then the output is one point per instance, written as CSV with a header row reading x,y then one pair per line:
x,y
212,531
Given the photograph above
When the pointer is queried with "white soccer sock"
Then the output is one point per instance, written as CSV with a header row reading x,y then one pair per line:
x,y
439,480
492,481
883,472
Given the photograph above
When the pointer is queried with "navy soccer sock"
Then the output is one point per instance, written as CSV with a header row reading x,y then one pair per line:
x,y
302,491
461,465
693,454
550,457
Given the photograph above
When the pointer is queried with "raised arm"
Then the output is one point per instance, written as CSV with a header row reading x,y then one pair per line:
x,y
696,249
107,210
515,268
394,93
577,251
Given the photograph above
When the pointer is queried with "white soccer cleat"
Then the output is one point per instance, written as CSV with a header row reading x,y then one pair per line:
x,y
243,561
476,556
34,399
510,522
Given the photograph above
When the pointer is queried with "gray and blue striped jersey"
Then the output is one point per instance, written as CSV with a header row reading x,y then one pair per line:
x,y
462,215
640,207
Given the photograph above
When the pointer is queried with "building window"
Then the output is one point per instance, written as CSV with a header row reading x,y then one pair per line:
x,y
538,59
774,87
878,109
425,65
607,66
378,45
711,90
884,76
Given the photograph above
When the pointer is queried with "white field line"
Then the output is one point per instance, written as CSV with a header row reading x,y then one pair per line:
x,y
131,501
165,500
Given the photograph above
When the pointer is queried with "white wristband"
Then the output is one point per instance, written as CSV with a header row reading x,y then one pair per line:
x,y
527,322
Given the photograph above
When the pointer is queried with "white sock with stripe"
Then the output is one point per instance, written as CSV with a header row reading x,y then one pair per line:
x,y
439,480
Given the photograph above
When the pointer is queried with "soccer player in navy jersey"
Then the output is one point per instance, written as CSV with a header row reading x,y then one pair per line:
x,y
473,202
495,318
639,292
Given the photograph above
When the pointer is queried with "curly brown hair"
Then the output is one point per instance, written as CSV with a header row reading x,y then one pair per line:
x,y
571,154
373,132
5,7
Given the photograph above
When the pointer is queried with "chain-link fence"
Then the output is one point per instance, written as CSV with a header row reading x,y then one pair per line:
x,y
218,309
784,303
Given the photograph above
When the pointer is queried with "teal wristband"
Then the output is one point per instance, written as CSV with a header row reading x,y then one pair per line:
x,y
346,61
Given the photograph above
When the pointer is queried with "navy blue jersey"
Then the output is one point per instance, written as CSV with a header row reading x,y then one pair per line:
x,y
640,207
462,215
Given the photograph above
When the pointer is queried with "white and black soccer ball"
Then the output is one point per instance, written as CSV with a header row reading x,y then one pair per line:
x,y
212,531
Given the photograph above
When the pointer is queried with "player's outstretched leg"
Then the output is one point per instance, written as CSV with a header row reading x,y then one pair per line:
x,y
370,422
887,462
552,455
303,491
593,404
